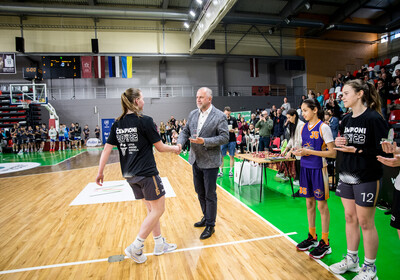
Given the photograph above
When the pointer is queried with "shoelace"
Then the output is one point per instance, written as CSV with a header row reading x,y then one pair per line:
x,y
354,260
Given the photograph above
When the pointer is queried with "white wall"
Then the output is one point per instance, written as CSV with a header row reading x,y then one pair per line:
x,y
192,72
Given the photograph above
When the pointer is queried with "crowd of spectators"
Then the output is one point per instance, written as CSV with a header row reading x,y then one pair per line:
x,y
28,139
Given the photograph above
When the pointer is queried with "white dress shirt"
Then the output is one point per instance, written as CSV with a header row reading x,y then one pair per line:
x,y
202,118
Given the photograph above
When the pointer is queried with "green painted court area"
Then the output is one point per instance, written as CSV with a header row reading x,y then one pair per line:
x,y
290,215
44,158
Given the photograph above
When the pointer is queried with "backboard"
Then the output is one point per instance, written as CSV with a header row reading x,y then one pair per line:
x,y
25,94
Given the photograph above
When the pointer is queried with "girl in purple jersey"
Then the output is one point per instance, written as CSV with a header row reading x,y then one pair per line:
x,y
317,143
360,173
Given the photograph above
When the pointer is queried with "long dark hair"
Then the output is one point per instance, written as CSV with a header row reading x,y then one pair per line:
x,y
370,97
312,104
292,126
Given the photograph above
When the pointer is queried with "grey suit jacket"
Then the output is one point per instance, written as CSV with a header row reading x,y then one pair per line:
x,y
215,133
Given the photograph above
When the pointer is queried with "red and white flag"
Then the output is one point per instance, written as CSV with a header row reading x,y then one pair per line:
x,y
86,66
99,65
253,67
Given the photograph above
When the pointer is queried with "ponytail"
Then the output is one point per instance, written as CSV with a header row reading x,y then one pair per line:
x,y
128,99
370,97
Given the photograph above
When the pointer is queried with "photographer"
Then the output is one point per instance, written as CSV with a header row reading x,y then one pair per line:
x,y
264,125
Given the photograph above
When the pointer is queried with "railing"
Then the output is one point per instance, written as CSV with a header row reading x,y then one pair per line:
x,y
66,93
115,92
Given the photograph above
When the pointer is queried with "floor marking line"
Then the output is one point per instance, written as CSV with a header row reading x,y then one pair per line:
x,y
54,172
149,254
274,227
50,266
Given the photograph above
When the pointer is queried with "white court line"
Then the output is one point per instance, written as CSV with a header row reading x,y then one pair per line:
x,y
274,227
55,172
149,254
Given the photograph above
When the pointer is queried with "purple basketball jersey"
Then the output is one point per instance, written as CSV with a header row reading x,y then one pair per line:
x,y
312,139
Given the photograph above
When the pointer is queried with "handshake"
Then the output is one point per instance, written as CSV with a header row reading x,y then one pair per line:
x,y
177,149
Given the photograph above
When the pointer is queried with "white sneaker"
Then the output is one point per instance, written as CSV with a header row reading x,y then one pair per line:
x,y
296,182
164,248
135,254
280,175
367,272
230,174
284,178
220,174
349,263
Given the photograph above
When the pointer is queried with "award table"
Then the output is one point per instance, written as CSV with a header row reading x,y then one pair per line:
x,y
263,160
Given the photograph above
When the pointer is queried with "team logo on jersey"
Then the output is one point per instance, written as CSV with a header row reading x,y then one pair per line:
x,y
318,193
123,149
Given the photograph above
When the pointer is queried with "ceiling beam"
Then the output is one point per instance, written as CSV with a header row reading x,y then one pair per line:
x,y
346,10
93,12
92,2
292,8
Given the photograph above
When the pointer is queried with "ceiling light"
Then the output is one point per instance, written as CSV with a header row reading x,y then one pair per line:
x,y
199,2
271,30
193,14
308,5
288,20
186,25
330,27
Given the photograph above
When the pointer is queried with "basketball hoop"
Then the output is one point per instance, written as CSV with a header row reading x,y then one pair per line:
x,y
25,103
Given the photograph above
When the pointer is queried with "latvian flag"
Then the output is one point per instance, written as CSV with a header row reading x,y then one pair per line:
x,y
113,66
99,65
126,62
253,67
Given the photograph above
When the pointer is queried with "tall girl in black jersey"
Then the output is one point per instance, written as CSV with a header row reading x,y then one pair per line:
x,y
135,134
360,173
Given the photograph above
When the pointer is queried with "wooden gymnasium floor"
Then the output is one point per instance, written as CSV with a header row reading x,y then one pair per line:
x,y
42,237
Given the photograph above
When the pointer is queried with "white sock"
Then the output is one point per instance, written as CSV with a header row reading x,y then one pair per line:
x,y
352,253
230,170
220,170
139,242
369,262
158,240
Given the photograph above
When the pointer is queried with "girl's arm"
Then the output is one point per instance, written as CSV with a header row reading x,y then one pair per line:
x,y
103,160
330,153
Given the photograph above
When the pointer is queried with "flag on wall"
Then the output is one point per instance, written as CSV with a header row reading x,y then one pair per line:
x,y
126,62
99,65
86,66
113,66
253,67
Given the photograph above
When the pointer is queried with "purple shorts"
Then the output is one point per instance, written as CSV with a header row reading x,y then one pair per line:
x,y
314,183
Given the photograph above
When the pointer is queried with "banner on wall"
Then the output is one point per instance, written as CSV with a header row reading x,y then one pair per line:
x,y
260,90
113,66
106,125
126,63
99,65
7,63
245,114
254,67
86,67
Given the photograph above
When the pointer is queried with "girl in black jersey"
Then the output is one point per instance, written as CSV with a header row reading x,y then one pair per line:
x,y
359,174
135,134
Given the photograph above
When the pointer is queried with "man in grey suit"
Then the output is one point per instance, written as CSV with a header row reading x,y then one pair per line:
x,y
207,130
